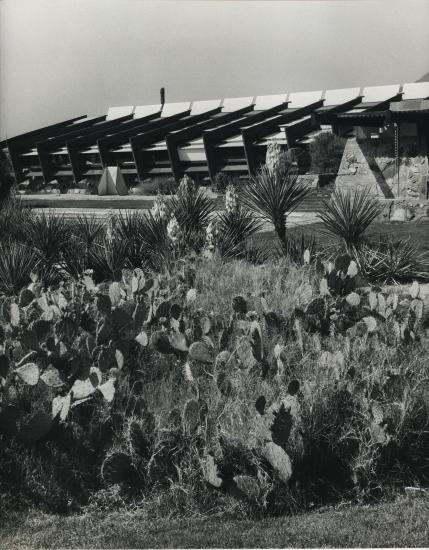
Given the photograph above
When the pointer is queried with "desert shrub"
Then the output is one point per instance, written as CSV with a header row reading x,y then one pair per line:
x,y
348,214
326,152
7,178
163,185
222,181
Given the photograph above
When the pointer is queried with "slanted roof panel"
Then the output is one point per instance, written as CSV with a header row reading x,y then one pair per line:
x,y
234,103
301,99
416,90
170,109
380,93
263,102
340,95
199,107
118,112
145,110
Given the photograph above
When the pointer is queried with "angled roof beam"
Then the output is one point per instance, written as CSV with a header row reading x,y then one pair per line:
x,y
325,115
256,132
299,128
22,143
45,132
106,144
148,138
179,137
45,148
216,136
76,145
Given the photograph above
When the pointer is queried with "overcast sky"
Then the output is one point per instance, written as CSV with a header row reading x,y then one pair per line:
x,y
63,58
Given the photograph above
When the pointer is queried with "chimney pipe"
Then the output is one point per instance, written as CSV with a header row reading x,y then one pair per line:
x,y
162,95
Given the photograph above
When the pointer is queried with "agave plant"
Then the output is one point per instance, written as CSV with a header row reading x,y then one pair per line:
x,y
391,261
274,193
17,261
347,214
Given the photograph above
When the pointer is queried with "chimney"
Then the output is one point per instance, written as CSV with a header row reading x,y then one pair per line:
x,y
162,95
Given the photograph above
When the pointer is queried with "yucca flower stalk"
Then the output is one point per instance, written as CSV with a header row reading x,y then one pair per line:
x,y
186,185
231,199
173,229
159,208
212,234
274,156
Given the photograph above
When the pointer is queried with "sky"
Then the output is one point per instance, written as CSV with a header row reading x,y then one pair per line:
x,y
65,58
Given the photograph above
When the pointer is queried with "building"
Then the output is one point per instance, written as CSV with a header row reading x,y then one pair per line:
x,y
386,127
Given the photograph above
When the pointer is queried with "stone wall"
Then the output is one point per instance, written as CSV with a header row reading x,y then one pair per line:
x,y
371,164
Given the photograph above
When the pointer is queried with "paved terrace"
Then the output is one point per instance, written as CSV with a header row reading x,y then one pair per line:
x,y
73,205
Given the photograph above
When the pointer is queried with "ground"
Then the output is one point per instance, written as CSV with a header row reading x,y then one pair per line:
x,y
401,523
417,232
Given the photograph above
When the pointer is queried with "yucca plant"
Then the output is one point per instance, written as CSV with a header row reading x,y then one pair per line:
x,y
17,261
348,214
192,209
155,245
296,247
129,227
49,236
273,194
235,230
14,217
87,230
107,258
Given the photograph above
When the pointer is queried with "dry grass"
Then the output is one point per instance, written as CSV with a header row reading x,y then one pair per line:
x,y
403,523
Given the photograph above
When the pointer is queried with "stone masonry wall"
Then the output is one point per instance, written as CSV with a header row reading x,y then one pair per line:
x,y
372,166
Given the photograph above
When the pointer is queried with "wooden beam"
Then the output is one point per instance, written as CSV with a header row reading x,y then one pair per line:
x,y
258,131
149,138
106,144
178,138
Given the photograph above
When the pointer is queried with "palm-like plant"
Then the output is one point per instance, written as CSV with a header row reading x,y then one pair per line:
x,y
347,214
274,193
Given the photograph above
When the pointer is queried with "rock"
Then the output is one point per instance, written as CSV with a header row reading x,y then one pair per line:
x,y
399,215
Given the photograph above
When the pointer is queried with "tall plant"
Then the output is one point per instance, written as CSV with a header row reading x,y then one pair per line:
x,y
348,214
275,191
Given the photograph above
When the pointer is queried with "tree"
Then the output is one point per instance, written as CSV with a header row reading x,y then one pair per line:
x,y
326,152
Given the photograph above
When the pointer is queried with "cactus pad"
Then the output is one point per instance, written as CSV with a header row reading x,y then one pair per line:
x,y
279,460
